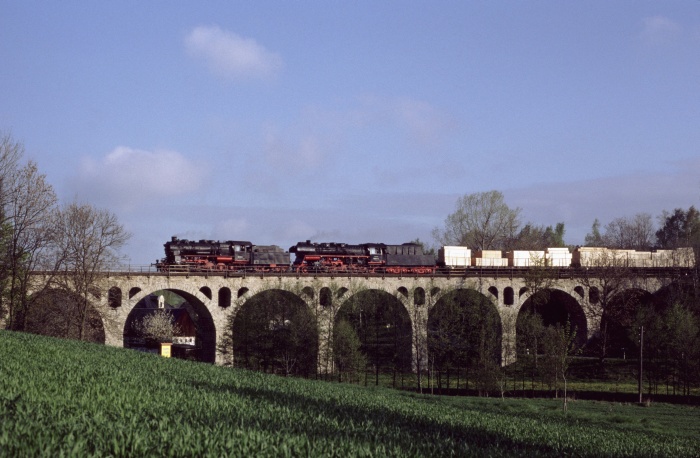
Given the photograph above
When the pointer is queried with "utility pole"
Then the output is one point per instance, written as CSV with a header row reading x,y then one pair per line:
x,y
641,353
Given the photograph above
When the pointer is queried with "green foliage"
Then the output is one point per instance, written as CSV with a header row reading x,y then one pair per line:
x,y
273,332
594,238
680,228
350,360
70,398
384,329
464,333
534,237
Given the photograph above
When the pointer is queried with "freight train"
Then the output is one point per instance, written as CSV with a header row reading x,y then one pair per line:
x,y
407,258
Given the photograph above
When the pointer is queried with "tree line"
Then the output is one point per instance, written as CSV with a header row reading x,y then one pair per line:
x,y
484,221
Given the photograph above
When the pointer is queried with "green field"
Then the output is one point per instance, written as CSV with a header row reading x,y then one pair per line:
x,y
66,398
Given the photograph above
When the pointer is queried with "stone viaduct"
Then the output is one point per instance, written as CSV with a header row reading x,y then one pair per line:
x,y
216,297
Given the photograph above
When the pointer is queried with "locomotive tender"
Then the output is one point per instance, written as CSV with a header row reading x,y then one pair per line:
x,y
407,258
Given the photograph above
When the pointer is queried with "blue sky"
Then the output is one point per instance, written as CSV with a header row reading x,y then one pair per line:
x,y
363,121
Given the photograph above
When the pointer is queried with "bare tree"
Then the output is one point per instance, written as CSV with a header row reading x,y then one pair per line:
x,y
606,281
25,221
481,221
636,233
87,243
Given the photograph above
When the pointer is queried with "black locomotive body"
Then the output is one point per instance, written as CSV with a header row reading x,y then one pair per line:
x,y
365,257
208,255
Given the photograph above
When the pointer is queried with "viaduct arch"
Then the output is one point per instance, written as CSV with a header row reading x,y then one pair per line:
x,y
217,297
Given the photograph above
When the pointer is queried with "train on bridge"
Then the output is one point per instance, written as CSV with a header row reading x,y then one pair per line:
x,y
242,256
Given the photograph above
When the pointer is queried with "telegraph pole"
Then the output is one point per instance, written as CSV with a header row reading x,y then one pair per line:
x,y
641,353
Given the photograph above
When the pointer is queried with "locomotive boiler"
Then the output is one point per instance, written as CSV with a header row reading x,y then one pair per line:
x,y
205,255
364,257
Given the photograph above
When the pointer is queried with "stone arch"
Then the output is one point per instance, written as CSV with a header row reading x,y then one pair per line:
x,y
523,291
593,295
205,339
474,322
274,331
55,312
134,291
580,291
615,328
341,292
206,291
403,291
242,291
383,325
556,307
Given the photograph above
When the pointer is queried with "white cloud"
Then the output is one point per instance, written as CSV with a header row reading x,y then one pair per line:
x,y
230,55
126,176
658,30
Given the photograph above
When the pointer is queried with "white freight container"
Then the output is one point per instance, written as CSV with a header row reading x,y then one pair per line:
x,y
490,262
455,256
525,258
488,254
558,257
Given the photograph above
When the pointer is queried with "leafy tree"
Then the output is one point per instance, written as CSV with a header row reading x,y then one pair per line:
x,y
680,229
274,331
464,332
533,237
560,346
671,346
594,238
384,329
481,221
350,361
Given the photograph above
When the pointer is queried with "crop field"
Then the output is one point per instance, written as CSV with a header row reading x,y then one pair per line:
x,y
66,398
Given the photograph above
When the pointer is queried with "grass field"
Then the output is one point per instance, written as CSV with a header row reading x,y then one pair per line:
x,y
66,398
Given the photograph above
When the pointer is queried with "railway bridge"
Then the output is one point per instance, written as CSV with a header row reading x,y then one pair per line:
x,y
216,297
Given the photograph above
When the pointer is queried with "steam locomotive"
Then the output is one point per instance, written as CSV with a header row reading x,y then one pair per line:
x,y
206,255
365,257
407,258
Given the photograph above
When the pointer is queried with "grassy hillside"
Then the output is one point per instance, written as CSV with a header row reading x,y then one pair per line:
x,y
68,398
